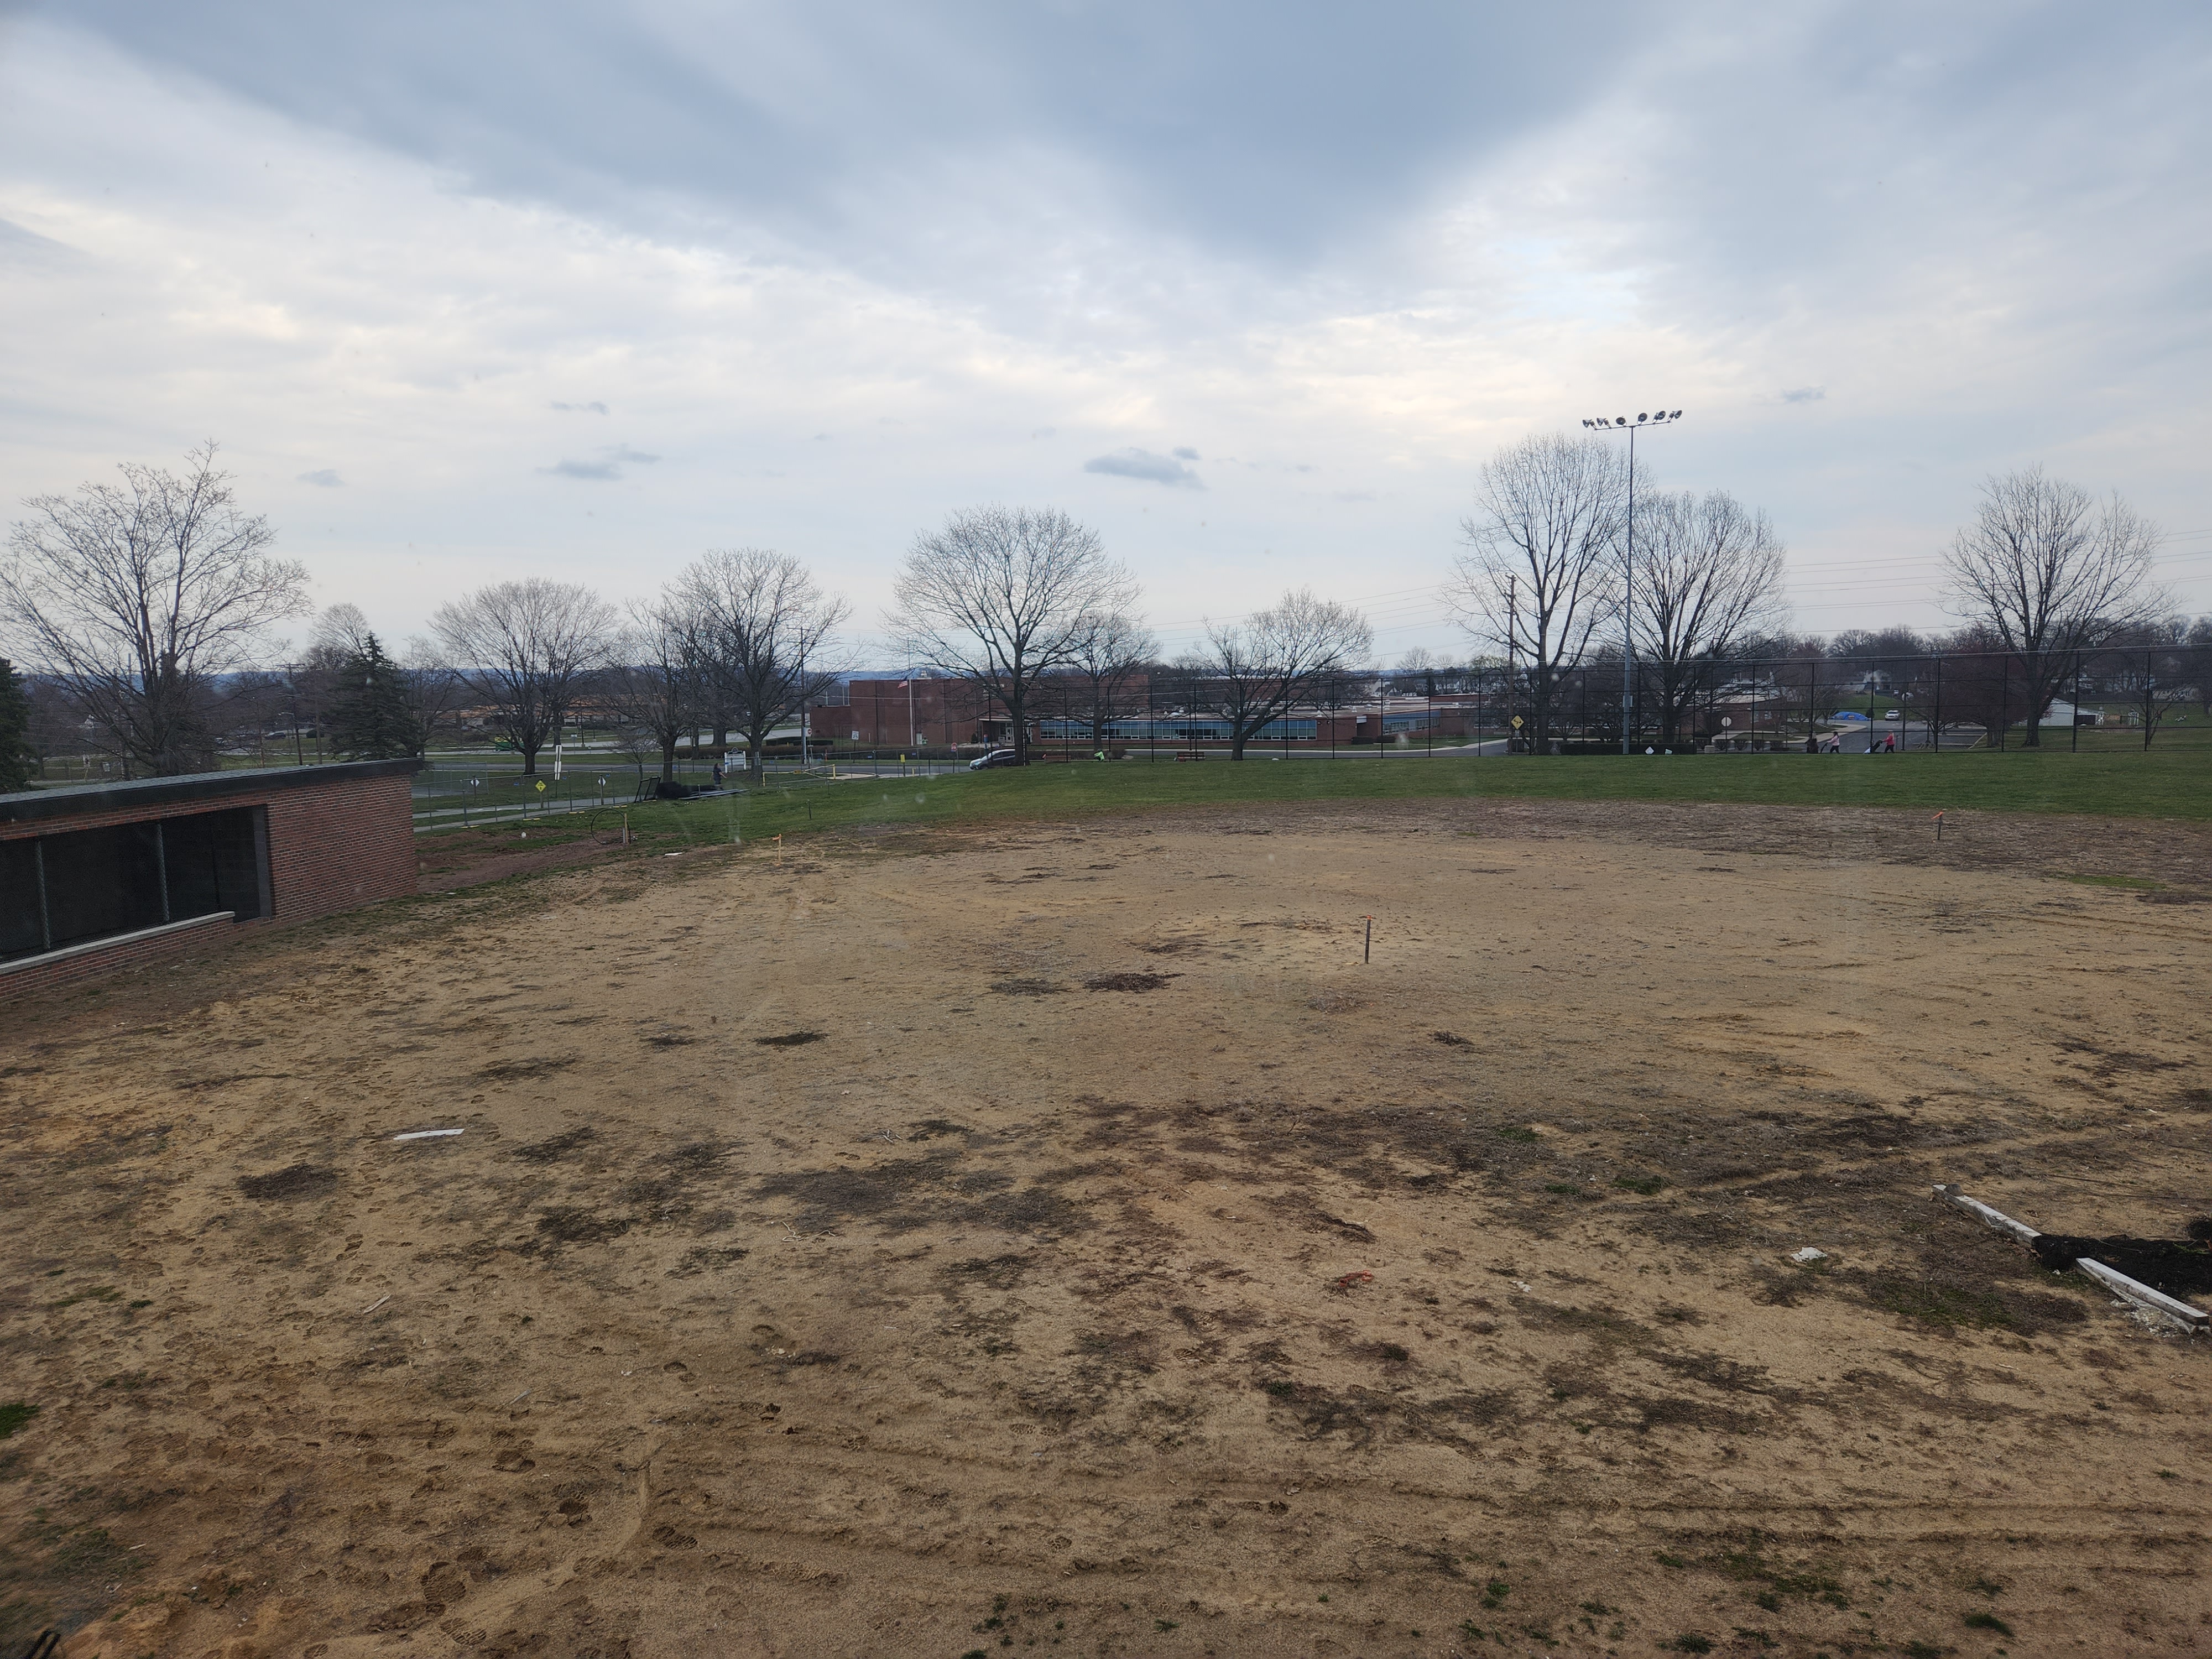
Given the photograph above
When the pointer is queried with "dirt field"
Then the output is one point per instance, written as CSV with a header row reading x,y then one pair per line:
x,y
1060,1238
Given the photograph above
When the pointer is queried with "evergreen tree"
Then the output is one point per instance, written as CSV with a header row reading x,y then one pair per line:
x,y
18,764
368,716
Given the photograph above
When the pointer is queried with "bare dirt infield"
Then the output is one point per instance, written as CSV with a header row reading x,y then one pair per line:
x,y
1126,1267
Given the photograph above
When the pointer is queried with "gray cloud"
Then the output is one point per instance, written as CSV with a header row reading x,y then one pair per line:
x,y
326,477
1143,463
1290,229
1265,129
593,408
20,245
1184,454
1805,394
617,457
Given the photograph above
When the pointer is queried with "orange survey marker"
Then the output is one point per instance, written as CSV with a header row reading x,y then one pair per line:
x,y
1352,1278
1939,826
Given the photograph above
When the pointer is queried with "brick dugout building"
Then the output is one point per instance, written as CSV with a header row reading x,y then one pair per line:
x,y
105,876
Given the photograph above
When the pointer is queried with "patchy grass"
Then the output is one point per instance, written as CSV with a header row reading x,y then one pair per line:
x,y
2176,784
1945,1306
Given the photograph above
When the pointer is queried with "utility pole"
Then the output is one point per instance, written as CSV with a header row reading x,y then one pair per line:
x,y
1512,644
1620,423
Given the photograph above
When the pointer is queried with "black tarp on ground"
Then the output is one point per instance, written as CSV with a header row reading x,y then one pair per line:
x,y
2178,1266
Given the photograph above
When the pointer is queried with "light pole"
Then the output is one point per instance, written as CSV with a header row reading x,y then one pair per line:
x,y
1622,423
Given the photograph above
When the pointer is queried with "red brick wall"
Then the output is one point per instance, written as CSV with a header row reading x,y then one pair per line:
x,y
332,845
112,958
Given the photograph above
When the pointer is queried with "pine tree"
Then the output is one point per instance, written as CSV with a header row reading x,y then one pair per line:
x,y
18,764
366,716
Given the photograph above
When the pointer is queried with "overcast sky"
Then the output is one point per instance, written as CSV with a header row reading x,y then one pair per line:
x,y
475,291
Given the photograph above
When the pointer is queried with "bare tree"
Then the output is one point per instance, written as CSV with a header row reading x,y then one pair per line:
x,y
762,632
1540,576
136,597
1001,597
1415,676
528,648
2151,665
434,690
343,629
1709,575
1111,648
2051,573
1259,670
655,686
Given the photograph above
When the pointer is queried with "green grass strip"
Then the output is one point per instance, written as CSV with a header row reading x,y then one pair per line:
x,y
2138,786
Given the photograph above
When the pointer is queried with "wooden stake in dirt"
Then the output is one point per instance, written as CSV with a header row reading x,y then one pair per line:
x,y
1939,829
1367,950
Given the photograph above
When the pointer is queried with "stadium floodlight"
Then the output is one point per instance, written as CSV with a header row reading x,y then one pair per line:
x,y
1628,604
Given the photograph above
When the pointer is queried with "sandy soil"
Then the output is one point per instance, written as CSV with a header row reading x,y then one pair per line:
x,y
1126,1267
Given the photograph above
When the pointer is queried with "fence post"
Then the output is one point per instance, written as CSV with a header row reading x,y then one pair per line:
x,y
2150,698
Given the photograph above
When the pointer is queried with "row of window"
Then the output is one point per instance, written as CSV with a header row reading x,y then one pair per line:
x,y
79,885
1182,730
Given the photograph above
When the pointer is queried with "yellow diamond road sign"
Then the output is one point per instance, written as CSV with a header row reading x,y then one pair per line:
x,y
541,786
1517,722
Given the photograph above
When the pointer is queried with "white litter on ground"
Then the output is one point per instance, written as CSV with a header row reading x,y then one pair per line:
x,y
1809,1254
425,1134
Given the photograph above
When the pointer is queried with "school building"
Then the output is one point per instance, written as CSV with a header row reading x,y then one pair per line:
x,y
915,713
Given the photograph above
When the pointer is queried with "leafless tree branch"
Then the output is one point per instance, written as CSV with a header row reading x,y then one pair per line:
x,y
136,597
2050,572
1256,671
1543,573
528,648
1001,597
763,635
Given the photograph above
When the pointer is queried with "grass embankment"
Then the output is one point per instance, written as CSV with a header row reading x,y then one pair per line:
x,y
2178,785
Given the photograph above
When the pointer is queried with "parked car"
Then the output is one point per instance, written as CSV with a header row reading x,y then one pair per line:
x,y
996,758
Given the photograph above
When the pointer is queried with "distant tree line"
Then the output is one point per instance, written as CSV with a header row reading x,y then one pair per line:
x,y
137,614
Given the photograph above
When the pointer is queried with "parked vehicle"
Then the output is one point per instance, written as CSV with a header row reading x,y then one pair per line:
x,y
996,758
